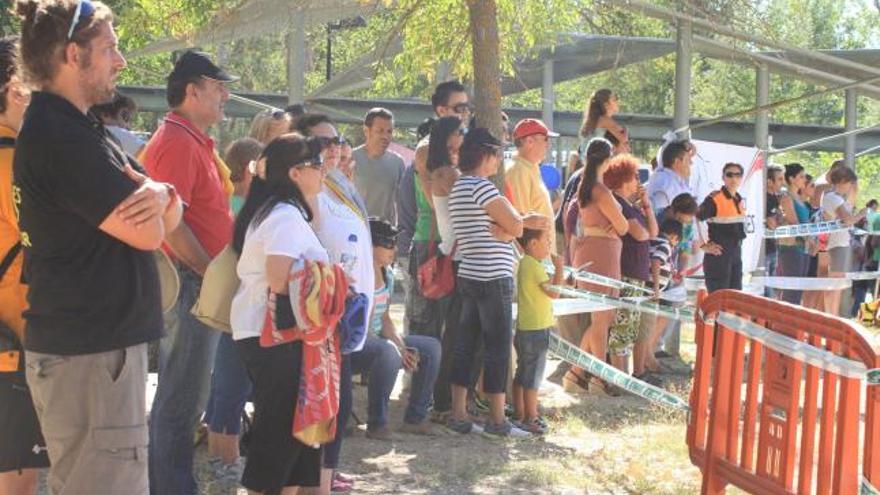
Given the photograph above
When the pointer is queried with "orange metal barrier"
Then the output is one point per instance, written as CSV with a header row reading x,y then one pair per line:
x,y
785,427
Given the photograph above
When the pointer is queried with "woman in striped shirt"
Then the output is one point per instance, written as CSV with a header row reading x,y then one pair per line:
x,y
484,223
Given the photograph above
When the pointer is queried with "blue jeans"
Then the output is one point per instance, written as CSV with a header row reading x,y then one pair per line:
x,y
531,357
186,355
382,361
230,389
487,313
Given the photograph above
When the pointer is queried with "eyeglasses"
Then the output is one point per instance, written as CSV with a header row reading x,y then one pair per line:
x,y
84,8
275,113
313,163
462,108
731,175
335,140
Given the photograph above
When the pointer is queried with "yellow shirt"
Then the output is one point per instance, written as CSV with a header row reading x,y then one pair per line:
x,y
12,292
527,192
535,307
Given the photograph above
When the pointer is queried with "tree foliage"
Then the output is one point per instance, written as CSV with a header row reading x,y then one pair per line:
x,y
435,40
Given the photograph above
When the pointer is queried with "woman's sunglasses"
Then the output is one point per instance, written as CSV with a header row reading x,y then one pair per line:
x,y
731,175
313,164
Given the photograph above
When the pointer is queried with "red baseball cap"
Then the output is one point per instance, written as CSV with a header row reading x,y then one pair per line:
x,y
530,127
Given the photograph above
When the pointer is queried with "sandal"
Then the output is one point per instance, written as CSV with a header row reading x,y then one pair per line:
x,y
579,381
601,386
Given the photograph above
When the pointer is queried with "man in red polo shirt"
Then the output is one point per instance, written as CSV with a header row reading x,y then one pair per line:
x,y
181,153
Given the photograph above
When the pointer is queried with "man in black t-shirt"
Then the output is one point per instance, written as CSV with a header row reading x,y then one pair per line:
x,y
775,180
89,221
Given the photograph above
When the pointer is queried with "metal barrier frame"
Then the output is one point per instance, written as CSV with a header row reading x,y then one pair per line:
x,y
761,454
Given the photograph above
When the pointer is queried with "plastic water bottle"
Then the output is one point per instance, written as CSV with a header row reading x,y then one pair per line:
x,y
348,258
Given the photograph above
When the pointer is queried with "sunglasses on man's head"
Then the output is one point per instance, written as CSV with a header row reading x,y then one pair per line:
x,y
731,175
276,114
84,9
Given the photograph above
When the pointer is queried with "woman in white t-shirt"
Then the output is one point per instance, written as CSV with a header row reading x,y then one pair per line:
x,y
836,205
272,234
442,164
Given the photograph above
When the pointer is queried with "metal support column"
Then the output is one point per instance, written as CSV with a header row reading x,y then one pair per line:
x,y
683,59
548,100
762,131
443,72
762,118
296,61
850,123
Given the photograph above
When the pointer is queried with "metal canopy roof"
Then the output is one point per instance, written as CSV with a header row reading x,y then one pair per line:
x,y
410,113
579,55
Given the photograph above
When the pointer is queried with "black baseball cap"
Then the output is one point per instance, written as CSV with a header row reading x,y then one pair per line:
x,y
480,137
383,233
193,64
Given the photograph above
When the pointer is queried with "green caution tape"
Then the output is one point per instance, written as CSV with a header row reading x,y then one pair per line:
x,y
640,305
866,488
599,368
584,276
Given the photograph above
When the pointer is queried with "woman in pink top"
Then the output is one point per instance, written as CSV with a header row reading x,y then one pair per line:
x,y
596,243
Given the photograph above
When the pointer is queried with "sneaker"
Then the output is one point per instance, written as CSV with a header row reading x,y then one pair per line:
x,y
533,426
339,485
345,478
504,430
650,378
440,417
382,433
463,427
424,428
480,405
222,471
543,422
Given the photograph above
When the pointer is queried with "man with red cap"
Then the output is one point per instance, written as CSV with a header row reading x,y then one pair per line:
x,y
523,185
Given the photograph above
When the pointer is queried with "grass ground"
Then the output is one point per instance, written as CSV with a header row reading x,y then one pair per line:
x,y
599,445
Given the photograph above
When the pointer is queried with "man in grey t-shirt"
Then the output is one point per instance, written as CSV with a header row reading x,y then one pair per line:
x,y
378,172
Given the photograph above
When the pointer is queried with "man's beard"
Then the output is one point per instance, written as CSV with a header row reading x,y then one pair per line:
x,y
96,93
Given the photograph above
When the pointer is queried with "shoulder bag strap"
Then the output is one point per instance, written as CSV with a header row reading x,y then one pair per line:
x,y
10,256
7,142
335,189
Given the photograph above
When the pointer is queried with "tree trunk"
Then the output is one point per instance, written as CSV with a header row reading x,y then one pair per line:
x,y
487,69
